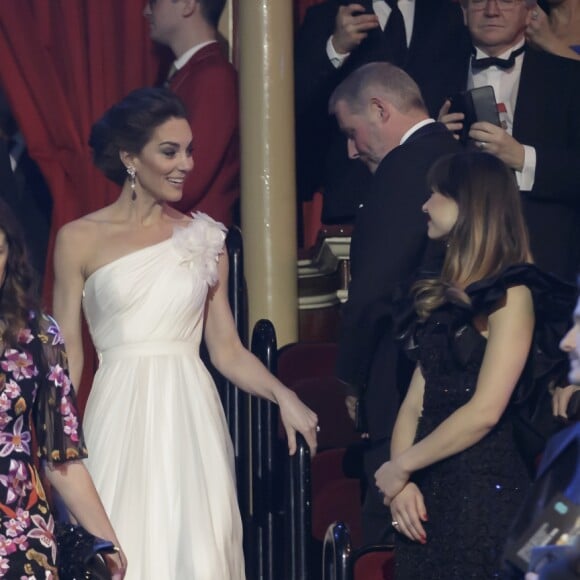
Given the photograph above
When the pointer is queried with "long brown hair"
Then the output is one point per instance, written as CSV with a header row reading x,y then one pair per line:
x,y
18,292
490,233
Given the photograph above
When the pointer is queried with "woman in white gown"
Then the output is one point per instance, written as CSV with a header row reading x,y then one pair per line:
x,y
151,282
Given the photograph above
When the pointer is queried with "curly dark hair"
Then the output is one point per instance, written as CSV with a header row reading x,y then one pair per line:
x,y
19,288
129,125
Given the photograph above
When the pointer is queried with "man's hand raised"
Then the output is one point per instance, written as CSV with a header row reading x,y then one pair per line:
x,y
352,27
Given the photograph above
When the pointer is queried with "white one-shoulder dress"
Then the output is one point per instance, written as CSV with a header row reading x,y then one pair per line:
x,y
159,448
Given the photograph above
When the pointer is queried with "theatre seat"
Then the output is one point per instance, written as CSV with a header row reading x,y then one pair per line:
x,y
306,360
334,496
341,561
325,396
374,563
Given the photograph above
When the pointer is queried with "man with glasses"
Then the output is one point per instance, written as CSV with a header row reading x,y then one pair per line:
x,y
538,96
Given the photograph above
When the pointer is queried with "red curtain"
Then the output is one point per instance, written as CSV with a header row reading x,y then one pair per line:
x,y
63,63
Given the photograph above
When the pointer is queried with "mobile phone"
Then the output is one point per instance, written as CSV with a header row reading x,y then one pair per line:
x,y
366,10
477,105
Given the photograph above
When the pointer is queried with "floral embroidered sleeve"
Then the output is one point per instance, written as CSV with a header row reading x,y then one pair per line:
x,y
57,423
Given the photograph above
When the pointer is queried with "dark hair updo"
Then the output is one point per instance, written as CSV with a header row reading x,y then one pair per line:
x,y
129,125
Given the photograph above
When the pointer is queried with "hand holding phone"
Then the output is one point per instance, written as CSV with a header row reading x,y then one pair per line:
x,y
352,25
477,104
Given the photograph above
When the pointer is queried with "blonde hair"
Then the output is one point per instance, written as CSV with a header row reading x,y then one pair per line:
x,y
490,233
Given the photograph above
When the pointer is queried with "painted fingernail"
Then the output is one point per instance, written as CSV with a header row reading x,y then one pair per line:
x,y
425,518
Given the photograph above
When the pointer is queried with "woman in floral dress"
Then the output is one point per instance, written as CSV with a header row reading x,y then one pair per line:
x,y
36,395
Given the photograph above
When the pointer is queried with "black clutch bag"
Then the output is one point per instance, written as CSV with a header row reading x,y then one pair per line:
x,y
80,554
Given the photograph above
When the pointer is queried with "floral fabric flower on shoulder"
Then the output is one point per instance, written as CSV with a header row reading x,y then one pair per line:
x,y
200,244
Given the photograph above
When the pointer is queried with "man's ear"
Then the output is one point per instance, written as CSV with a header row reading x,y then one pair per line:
x,y
529,15
380,109
189,7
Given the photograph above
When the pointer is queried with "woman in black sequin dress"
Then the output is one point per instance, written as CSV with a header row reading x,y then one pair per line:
x,y
456,478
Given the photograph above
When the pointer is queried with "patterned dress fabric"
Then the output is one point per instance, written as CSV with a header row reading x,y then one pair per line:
x,y
160,452
35,391
471,497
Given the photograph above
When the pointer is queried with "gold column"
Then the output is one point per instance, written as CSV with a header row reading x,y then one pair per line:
x,y
226,29
268,175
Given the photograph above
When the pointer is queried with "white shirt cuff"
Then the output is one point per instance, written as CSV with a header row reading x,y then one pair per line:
x,y
527,175
336,59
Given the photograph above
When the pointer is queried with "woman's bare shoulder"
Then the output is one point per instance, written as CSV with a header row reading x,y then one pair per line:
x,y
91,224
79,239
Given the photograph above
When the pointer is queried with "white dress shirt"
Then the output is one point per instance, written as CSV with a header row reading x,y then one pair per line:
x,y
383,11
505,84
416,127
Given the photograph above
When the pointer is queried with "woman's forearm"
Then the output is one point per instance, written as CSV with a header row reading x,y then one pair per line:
x,y
461,430
75,486
404,431
246,371
405,428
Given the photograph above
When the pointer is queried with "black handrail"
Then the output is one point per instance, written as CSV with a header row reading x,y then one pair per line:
x,y
265,549
337,553
270,540
236,403
298,528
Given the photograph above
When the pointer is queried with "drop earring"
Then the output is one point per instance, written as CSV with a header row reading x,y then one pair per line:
x,y
132,176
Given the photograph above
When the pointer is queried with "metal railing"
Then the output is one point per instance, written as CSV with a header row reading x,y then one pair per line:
x,y
298,526
336,553
281,487
273,494
266,546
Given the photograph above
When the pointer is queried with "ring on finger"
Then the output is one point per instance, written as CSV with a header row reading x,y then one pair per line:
x,y
395,524
481,144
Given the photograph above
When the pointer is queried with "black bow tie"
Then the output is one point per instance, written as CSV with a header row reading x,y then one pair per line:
x,y
479,64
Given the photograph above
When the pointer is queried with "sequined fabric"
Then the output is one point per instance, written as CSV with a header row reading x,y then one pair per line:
x,y
472,497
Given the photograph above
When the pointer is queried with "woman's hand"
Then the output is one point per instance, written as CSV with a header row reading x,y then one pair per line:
x,y
297,417
408,512
116,564
391,479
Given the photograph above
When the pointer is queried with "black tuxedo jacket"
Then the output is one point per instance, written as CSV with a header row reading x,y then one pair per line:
x,y
389,243
25,191
547,117
431,60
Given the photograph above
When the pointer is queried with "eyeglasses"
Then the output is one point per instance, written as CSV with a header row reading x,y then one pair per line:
x,y
502,4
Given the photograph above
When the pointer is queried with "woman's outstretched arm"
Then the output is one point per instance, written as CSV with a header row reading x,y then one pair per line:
x,y
242,368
